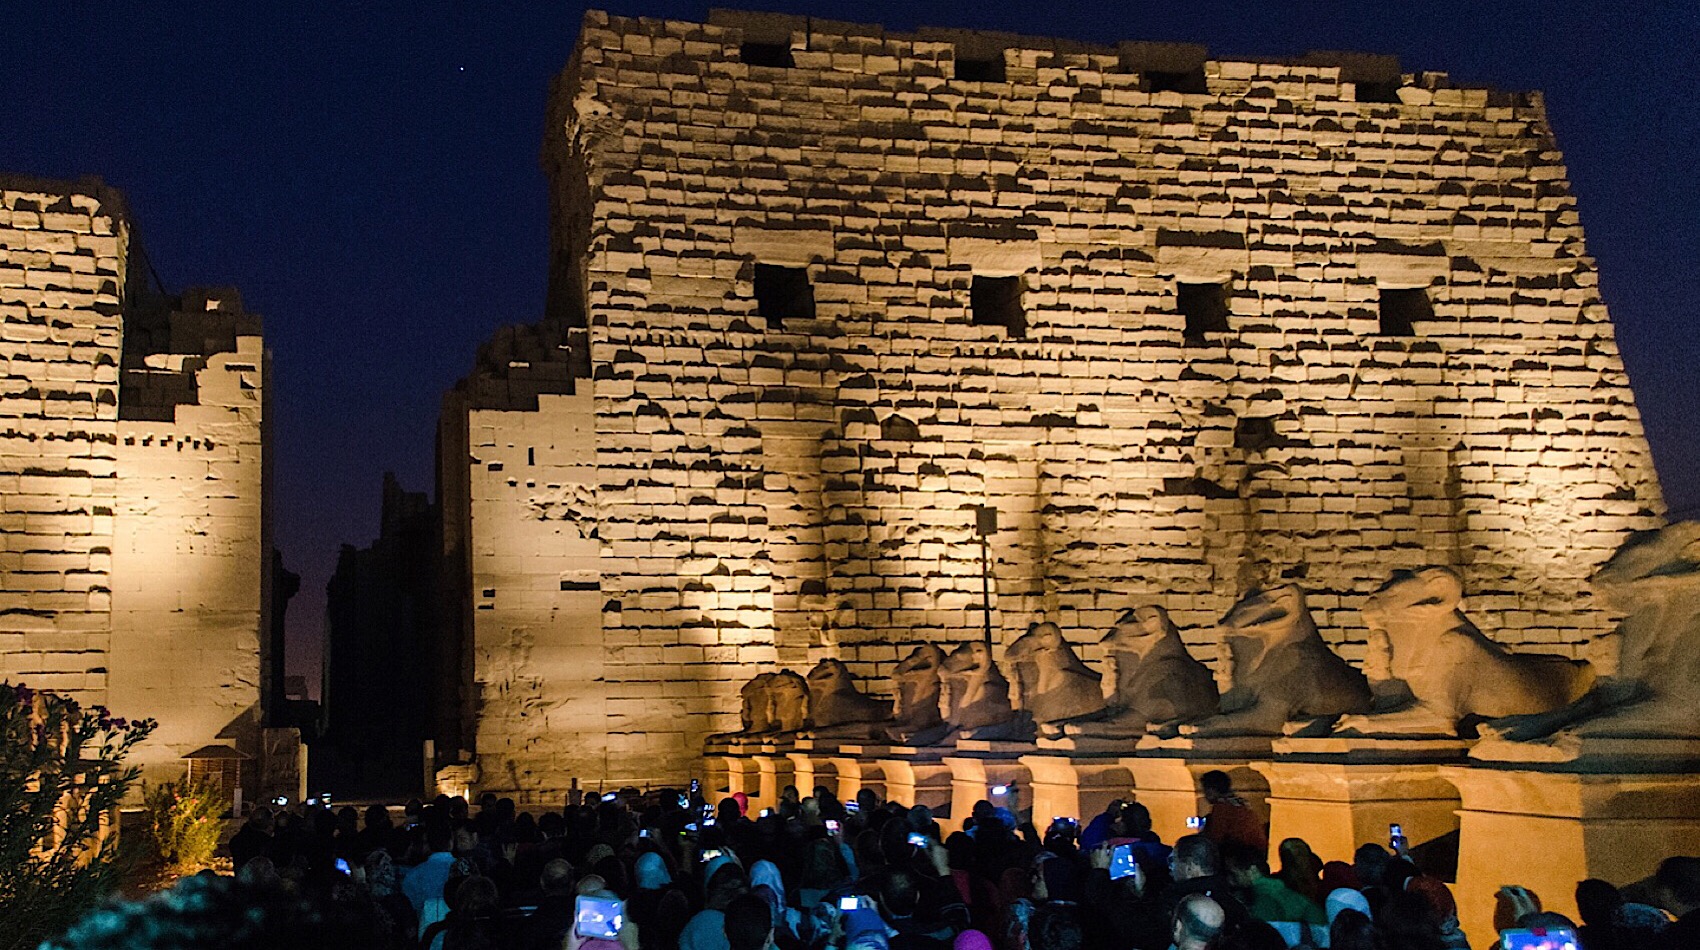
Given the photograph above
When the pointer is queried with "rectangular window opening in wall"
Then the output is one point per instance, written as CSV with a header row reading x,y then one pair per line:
x,y
1187,81
1205,307
1401,309
996,301
1382,91
766,54
784,293
980,70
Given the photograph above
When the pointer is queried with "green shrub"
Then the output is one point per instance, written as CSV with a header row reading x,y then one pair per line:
x,y
183,822
61,779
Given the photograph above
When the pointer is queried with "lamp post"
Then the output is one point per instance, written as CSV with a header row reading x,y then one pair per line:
x,y
986,522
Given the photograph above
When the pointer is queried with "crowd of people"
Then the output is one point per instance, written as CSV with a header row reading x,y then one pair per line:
x,y
677,873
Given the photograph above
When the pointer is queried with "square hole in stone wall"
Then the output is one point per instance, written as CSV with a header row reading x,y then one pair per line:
x,y
996,301
784,293
766,54
1402,308
980,70
1205,307
1188,81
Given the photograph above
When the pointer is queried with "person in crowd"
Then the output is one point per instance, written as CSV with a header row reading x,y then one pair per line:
x,y
1102,827
1195,866
1406,921
1369,866
1678,886
1056,927
1267,898
1230,820
253,839
1301,870
545,927
707,928
1125,912
473,922
451,876
397,921
748,922
1133,827
1198,920
424,884
1342,899
1351,929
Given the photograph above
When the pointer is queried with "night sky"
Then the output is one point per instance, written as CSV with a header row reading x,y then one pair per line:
x,y
366,172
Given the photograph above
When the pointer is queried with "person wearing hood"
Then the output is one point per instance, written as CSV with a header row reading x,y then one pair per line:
x,y
766,883
654,883
707,929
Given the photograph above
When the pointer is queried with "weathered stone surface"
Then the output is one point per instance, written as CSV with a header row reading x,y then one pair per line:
x,y
748,492
1432,669
1280,675
1052,682
977,696
133,551
837,705
1153,679
1649,685
918,710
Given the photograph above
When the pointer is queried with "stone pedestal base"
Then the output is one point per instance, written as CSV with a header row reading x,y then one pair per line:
x,y
1168,786
1338,802
714,777
972,779
1548,830
775,771
917,781
742,775
1075,787
1089,745
809,769
729,764
855,773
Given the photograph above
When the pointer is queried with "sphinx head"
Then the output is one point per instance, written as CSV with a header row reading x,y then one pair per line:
x,y
830,675
1140,630
1272,615
924,659
1652,566
1428,597
969,657
1040,638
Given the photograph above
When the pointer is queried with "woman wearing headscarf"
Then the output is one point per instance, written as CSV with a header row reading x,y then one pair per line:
x,y
766,883
707,930
395,911
1345,898
653,884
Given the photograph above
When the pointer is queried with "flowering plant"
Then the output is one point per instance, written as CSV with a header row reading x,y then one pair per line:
x,y
62,775
183,823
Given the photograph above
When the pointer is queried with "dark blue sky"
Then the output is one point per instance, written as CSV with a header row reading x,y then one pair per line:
x,y
366,172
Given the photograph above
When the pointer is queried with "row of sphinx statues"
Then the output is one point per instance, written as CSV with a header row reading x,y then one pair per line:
x,y
1428,672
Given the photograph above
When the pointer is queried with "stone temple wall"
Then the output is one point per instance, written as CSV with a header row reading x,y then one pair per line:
x,y
133,544
190,544
1190,325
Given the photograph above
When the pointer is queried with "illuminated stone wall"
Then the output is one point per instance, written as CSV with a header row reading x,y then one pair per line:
x,y
189,542
133,531
776,490
63,270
